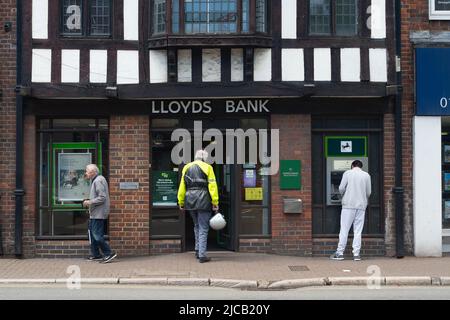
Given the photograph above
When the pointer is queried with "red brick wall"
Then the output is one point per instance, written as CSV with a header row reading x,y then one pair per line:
x,y
129,155
415,18
292,233
7,125
389,183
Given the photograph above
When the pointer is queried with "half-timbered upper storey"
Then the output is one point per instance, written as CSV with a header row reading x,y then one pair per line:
x,y
167,48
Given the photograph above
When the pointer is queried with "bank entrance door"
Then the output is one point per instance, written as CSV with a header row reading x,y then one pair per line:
x,y
225,239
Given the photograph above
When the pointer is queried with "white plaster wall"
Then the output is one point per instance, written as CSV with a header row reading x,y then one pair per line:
x,y
70,66
293,68
127,66
237,64
322,64
158,66
211,65
39,18
350,64
98,66
289,19
131,19
262,69
378,65
427,185
41,65
378,19
185,65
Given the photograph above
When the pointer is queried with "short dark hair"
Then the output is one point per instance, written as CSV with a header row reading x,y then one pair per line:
x,y
357,163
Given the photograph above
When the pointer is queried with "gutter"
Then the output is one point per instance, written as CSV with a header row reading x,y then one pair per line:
x,y
19,191
398,190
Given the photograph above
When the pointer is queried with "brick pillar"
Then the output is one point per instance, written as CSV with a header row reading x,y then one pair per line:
x,y
292,233
389,182
129,154
7,127
30,175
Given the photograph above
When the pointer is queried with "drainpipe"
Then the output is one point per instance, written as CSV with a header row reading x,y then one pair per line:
x,y
19,190
398,189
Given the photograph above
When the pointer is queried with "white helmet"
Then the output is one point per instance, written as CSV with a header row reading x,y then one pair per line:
x,y
217,222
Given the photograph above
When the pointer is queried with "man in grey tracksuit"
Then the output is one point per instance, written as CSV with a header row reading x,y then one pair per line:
x,y
355,188
98,204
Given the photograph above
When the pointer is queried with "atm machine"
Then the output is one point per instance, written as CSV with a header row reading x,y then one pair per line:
x,y
336,166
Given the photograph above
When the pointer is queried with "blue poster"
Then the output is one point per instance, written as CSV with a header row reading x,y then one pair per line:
x,y
249,178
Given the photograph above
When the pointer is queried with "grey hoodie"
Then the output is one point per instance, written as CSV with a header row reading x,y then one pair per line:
x,y
355,188
99,198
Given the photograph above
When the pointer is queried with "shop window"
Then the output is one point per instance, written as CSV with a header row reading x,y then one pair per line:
x,y
328,17
165,215
86,18
65,147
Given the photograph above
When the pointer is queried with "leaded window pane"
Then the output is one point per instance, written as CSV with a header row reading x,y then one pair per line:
x,y
245,15
319,17
159,16
210,16
346,17
72,17
261,16
100,17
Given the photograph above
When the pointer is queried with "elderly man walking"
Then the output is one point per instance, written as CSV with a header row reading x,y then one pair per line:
x,y
98,204
198,194
356,188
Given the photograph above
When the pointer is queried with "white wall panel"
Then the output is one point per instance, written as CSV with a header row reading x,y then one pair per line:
x,y
70,65
158,66
131,19
378,65
289,19
350,64
293,65
237,64
322,64
127,66
378,18
39,19
262,69
98,66
211,65
41,65
185,65
427,185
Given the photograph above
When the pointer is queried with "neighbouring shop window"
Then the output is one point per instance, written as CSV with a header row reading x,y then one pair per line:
x,y
445,173
66,146
86,18
338,17
165,215
331,141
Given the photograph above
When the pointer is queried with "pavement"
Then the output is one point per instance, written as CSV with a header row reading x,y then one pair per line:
x,y
251,271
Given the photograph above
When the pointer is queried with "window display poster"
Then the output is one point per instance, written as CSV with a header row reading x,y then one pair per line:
x,y
253,194
447,209
447,181
164,188
447,153
71,183
442,5
249,178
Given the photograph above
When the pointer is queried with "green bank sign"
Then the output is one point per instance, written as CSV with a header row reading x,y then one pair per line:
x,y
345,146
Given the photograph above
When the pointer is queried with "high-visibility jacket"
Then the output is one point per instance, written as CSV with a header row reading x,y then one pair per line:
x,y
198,187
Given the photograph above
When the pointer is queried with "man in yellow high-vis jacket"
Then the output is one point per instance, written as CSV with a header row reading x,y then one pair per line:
x,y
198,194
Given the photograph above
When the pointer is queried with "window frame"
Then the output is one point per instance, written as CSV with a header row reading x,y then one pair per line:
x,y
333,21
181,23
86,24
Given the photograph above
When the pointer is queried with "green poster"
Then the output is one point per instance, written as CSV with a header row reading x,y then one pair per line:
x,y
290,175
165,188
